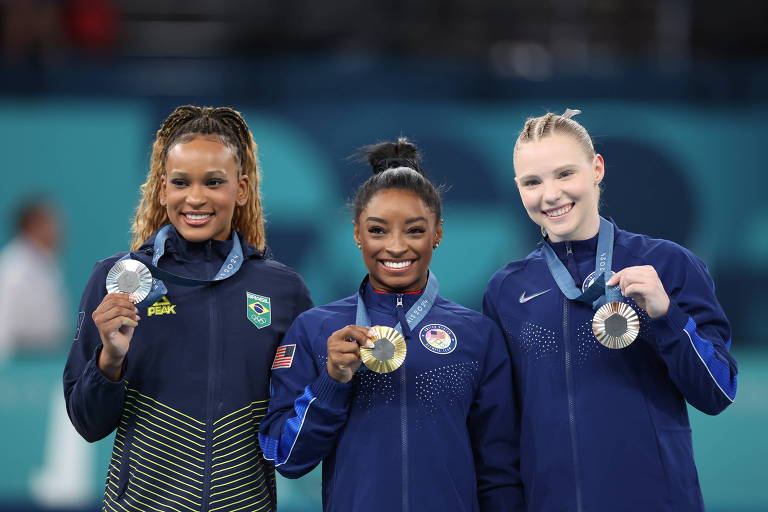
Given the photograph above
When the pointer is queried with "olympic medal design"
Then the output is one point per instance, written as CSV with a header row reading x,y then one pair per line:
x,y
615,325
130,276
388,352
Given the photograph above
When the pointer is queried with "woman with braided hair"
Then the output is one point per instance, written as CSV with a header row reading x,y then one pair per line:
x,y
183,375
610,334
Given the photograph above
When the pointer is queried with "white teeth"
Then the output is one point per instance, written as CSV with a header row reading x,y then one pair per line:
x,y
202,216
397,264
560,211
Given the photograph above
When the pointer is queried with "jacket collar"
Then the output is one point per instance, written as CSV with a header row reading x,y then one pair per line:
x,y
582,249
386,302
184,251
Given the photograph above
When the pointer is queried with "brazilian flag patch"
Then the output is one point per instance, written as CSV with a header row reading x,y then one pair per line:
x,y
259,310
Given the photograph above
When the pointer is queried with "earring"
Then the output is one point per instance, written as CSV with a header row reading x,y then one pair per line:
x,y
437,244
359,246
162,202
543,232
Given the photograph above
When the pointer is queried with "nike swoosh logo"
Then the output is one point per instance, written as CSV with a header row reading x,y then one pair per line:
x,y
524,299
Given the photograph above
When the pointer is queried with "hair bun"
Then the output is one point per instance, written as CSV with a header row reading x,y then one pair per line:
x,y
391,155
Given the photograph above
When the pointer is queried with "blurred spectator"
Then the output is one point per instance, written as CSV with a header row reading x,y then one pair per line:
x,y
32,300
92,24
32,29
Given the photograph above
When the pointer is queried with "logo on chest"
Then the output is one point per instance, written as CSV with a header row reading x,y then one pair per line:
x,y
162,307
438,338
258,309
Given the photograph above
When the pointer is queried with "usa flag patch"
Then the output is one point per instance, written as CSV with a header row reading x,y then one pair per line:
x,y
284,356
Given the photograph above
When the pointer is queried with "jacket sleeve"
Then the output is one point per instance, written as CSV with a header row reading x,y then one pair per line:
x,y
694,337
94,403
307,409
494,429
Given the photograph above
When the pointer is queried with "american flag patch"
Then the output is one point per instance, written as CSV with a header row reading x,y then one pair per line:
x,y
284,356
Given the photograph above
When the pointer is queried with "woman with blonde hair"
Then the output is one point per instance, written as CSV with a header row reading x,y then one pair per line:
x,y
183,375
610,333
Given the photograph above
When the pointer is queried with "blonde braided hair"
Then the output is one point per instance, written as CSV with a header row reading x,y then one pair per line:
x,y
183,125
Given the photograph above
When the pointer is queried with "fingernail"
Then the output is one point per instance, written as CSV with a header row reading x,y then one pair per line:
x,y
371,332
368,344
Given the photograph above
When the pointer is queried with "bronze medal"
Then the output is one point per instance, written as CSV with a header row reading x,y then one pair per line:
x,y
388,352
615,325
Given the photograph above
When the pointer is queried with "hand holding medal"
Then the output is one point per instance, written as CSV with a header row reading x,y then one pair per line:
x,y
344,351
615,324
642,284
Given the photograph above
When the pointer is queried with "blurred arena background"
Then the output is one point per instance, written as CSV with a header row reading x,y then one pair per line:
x,y
674,91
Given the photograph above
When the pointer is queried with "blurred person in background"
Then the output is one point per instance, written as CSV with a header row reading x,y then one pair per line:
x,y
33,305
610,333
428,422
38,31
183,376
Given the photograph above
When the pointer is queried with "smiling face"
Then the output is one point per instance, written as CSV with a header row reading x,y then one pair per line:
x,y
201,187
397,233
558,184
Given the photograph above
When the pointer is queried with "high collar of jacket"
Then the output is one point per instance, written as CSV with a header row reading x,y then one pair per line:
x,y
183,251
386,302
581,249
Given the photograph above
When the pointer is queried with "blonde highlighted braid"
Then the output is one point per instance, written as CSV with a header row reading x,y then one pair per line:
x,y
536,128
181,126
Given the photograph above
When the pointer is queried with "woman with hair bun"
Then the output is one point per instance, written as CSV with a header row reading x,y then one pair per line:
x,y
610,333
183,375
403,395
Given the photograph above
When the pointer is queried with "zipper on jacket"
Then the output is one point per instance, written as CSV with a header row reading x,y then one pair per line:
x,y
571,401
403,408
570,263
212,383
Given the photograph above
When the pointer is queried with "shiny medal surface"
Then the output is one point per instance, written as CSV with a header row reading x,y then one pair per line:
x,y
130,276
388,352
615,325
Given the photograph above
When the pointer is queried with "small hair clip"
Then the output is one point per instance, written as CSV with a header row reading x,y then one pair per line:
x,y
570,112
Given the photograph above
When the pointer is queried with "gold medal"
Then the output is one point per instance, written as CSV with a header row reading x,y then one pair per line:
x,y
615,325
388,351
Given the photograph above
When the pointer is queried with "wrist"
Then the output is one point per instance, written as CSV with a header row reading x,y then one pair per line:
x,y
337,374
110,365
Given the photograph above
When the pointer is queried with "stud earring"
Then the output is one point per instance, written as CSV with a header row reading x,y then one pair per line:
x,y
162,202
359,246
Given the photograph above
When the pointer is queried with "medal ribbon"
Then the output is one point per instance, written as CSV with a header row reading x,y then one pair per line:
x,y
228,269
415,314
597,293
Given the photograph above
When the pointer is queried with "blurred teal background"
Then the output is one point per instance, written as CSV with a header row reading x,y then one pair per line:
x,y
674,92
687,172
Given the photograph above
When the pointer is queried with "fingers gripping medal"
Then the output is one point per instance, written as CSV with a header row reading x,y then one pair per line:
x,y
388,352
132,277
615,324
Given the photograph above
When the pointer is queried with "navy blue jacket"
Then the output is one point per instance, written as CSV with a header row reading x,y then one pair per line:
x,y
195,382
606,429
435,434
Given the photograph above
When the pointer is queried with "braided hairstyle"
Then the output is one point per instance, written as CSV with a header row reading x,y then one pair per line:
x,y
396,165
536,128
184,124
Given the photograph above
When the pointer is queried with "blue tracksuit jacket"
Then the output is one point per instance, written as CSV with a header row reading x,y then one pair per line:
x,y
435,434
602,429
195,382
